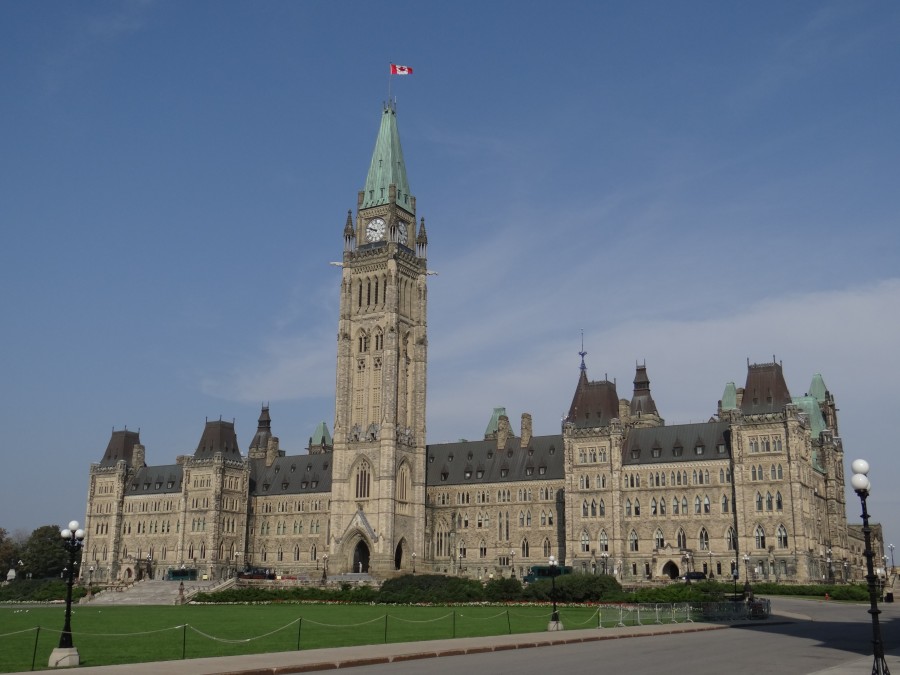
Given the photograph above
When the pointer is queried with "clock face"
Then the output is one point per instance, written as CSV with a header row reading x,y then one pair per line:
x,y
402,231
375,230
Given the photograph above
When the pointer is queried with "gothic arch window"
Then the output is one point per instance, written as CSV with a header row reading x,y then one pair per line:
x,y
637,508
706,504
602,508
697,504
584,509
628,507
546,547
675,506
662,506
296,552
759,501
780,472
203,551
753,473
585,542
731,539
694,477
682,539
482,549
782,537
724,503
528,518
779,503
633,541
604,541
769,501
654,507
703,539
363,479
313,553
403,487
593,507
760,536
706,476
684,505
659,539
525,548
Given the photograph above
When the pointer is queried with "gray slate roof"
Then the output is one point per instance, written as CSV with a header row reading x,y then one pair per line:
x,y
641,444
156,480
291,475
479,462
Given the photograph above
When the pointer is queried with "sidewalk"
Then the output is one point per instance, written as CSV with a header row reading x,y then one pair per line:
x,y
346,657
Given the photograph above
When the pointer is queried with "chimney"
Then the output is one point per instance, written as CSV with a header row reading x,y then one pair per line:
x,y
502,432
526,430
272,451
137,459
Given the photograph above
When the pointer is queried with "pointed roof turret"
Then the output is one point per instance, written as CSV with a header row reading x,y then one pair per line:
x,y
642,402
729,397
263,430
320,441
491,431
387,167
594,403
817,388
219,437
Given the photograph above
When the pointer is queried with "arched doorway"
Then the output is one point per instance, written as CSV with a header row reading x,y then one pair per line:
x,y
670,570
398,556
361,558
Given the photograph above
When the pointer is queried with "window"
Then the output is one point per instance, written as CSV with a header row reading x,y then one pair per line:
x,y
731,539
760,536
682,539
779,504
604,541
782,537
759,501
585,542
697,504
633,541
769,501
363,480
659,540
525,548
703,539
653,507
627,507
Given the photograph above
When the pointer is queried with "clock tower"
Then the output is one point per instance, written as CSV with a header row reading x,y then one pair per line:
x,y
378,476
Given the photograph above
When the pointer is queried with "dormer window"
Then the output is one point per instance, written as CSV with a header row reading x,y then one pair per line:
x,y
504,473
678,450
656,452
529,470
444,475
479,473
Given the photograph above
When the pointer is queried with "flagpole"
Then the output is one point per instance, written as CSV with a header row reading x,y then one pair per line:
x,y
390,78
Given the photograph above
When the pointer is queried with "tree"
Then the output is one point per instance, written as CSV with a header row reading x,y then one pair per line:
x,y
43,554
9,553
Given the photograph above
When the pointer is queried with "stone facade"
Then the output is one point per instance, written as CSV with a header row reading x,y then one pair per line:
x,y
757,491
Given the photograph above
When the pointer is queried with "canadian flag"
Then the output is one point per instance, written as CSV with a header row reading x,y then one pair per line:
x,y
400,70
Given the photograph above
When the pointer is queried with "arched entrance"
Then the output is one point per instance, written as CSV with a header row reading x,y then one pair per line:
x,y
670,570
398,555
361,558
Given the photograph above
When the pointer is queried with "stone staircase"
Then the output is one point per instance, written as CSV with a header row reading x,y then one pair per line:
x,y
147,592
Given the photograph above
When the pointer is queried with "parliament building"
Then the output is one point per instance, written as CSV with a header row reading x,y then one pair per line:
x,y
758,489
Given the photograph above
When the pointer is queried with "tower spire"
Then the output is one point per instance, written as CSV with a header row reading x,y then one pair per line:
x,y
582,353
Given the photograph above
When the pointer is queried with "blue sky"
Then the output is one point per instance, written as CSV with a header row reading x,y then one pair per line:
x,y
692,184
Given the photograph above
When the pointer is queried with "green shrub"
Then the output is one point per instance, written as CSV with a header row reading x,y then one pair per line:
x,y
434,588
576,588
503,589
38,590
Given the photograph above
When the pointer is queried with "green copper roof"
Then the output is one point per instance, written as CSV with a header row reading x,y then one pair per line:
x,y
818,389
810,406
729,398
495,421
320,435
388,167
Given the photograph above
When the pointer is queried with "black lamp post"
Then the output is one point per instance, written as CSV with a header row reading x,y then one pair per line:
x,y
747,588
891,546
828,566
735,573
414,562
554,570
862,485
66,654
512,564
605,557
324,568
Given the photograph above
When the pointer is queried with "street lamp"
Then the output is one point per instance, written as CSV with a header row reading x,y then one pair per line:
x,y
325,568
735,573
414,562
512,563
828,566
91,581
149,565
710,574
862,485
67,654
605,557
554,570
891,546
747,575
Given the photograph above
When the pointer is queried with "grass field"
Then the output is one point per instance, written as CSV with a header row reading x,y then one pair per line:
x,y
109,635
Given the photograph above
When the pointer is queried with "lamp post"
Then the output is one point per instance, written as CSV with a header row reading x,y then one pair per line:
x,y
710,573
149,565
747,588
891,547
862,485
66,654
91,581
554,618
735,573
828,566
414,562
324,568
512,563
605,557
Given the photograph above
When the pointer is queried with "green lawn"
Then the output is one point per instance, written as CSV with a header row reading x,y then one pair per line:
x,y
108,635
